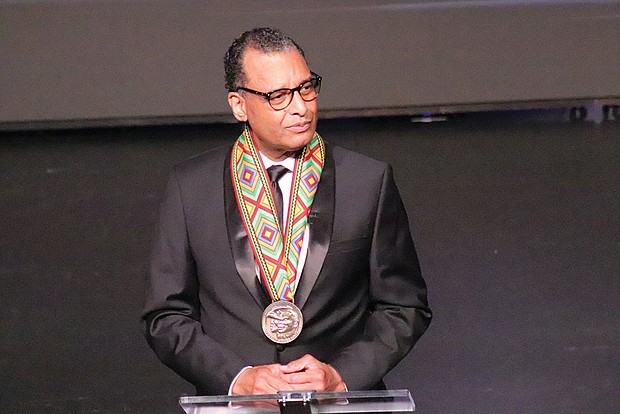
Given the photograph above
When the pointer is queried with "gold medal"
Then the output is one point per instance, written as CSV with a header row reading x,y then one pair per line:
x,y
282,322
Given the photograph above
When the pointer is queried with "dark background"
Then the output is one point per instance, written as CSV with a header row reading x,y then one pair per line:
x,y
514,214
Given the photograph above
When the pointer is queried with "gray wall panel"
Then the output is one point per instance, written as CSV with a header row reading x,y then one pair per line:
x,y
89,60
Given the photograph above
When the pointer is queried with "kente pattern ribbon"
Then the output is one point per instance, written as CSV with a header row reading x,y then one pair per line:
x,y
276,255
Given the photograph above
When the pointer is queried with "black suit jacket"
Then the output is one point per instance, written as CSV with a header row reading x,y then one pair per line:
x,y
361,292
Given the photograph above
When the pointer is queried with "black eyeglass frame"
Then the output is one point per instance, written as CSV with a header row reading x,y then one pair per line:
x,y
315,79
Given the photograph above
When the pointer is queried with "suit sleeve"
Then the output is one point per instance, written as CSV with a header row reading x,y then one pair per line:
x,y
171,316
399,312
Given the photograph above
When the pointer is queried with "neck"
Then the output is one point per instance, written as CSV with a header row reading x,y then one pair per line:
x,y
279,156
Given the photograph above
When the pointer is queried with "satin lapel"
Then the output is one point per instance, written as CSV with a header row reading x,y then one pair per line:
x,y
238,239
321,220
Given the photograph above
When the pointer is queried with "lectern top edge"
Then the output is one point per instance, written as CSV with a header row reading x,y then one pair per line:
x,y
302,402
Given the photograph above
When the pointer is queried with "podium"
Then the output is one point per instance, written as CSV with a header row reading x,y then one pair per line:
x,y
302,402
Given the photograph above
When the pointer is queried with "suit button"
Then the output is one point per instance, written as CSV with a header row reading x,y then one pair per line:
x,y
280,347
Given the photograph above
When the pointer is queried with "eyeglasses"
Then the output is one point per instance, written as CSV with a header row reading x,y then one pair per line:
x,y
282,98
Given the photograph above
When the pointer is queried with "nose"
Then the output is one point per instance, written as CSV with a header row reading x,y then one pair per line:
x,y
297,105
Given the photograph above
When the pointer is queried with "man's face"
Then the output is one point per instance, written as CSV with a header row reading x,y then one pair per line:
x,y
278,134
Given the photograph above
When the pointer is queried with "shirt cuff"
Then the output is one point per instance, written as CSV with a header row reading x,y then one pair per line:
x,y
232,384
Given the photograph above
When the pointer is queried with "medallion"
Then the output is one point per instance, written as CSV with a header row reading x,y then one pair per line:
x,y
282,322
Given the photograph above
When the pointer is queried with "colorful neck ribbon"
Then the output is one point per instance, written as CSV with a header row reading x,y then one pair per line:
x,y
277,256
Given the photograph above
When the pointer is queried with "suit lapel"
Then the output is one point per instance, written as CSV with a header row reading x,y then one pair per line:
x,y
321,222
238,239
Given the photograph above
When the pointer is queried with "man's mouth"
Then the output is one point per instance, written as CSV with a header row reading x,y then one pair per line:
x,y
299,127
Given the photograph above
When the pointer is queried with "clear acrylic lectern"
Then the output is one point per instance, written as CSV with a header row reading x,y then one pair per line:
x,y
302,402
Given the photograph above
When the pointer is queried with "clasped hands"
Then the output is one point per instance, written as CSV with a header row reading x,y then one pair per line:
x,y
305,373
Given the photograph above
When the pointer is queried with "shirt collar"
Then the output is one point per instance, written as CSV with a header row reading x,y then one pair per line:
x,y
287,162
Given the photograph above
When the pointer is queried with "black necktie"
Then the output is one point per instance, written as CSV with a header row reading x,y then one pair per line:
x,y
275,173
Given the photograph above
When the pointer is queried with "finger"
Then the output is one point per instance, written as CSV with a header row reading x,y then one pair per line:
x,y
301,364
308,376
265,379
320,379
269,381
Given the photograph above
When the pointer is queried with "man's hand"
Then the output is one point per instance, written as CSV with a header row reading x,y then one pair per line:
x,y
308,373
262,379
305,373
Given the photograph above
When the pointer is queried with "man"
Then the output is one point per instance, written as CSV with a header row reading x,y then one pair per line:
x,y
309,280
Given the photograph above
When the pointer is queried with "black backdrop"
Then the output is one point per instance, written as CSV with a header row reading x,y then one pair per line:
x,y
515,218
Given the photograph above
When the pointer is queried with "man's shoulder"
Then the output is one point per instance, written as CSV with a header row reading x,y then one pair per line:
x,y
344,157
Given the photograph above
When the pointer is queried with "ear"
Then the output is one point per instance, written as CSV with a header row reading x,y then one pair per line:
x,y
237,104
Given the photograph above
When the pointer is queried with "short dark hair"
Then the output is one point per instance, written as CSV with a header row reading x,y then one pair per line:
x,y
263,39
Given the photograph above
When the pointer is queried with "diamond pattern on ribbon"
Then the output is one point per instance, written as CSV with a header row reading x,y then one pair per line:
x,y
310,181
267,234
248,176
298,242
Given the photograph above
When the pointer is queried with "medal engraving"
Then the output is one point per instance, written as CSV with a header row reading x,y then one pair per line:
x,y
282,322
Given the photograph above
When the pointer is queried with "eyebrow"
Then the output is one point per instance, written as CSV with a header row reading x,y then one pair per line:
x,y
299,84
